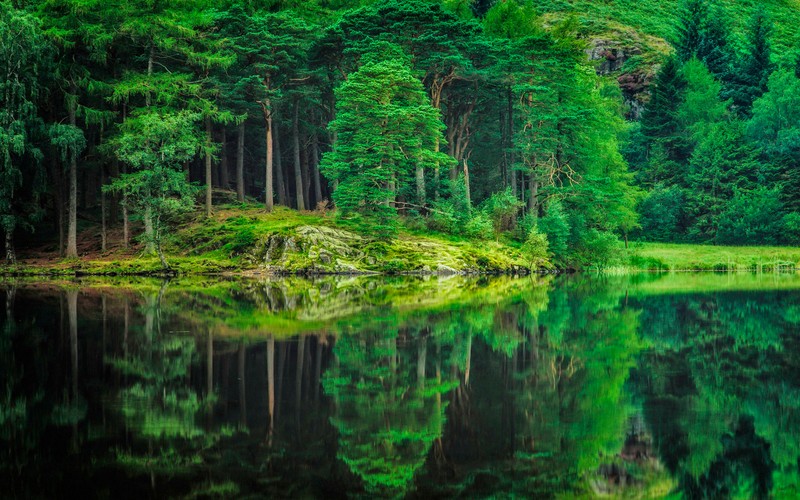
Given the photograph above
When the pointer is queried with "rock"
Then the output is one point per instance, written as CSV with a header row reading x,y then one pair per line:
x,y
324,257
445,270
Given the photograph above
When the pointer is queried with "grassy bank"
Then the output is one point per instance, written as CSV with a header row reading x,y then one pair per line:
x,y
687,257
244,239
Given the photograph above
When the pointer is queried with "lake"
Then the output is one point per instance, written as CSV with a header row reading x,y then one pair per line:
x,y
576,386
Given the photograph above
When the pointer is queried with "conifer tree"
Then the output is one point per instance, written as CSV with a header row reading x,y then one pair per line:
x,y
386,128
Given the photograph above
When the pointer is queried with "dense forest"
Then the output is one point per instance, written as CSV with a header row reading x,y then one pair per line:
x,y
472,118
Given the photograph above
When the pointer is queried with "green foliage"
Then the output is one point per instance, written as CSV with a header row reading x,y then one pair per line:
x,y
662,213
556,226
386,128
535,248
23,52
752,218
157,144
502,209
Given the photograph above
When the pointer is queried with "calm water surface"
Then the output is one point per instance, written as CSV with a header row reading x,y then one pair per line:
x,y
645,386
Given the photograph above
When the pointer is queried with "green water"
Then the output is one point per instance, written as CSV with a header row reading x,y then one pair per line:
x,y
643,386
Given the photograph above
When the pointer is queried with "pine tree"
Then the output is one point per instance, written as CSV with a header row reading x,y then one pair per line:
x,y
751,74
692,18
661,125
386,128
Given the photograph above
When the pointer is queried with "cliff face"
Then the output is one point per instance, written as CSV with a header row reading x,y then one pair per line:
x,y
627,39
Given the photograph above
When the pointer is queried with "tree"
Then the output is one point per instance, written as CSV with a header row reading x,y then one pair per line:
x,y
157,144
23,50
775,128
660,121
751,74
386,128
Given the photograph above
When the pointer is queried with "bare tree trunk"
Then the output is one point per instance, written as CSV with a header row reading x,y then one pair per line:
x,y
224,177
72,232
268,193
510,115
11,256
533,197
420,175
279,172
149,248
103,234
315,168
298,172
304,163
208,166
466,184
240,163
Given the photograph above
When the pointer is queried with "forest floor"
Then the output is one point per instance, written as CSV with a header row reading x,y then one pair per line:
x,y
242,239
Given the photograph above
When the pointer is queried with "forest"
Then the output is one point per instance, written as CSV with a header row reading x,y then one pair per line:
x,y
478,119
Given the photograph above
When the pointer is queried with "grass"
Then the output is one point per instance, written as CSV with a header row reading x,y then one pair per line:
x,y
688,257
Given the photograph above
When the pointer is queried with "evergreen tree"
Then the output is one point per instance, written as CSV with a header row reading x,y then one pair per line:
x,y
661,126
386,128
690,30
751,74
23,52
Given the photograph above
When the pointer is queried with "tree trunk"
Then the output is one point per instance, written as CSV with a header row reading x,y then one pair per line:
x,y
268,194
279,172
149,234
72,312
315,168
298,172
533,197
420,186
240,163
304,163
208,166
103,235
510,115
72,231
224,177
466,184
11,256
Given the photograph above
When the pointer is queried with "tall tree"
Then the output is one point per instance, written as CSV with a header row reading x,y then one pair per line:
x,y
23,51
386,128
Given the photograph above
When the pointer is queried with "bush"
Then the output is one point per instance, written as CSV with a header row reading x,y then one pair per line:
x,y
442,217
535,248
525,225
601,248
479,226
502,208
555,225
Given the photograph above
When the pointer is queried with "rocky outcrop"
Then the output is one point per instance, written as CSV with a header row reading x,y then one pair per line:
x,y
316,250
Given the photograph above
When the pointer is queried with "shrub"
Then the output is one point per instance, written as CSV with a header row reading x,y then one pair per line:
x,y
478,226
502,208
555,225
535,248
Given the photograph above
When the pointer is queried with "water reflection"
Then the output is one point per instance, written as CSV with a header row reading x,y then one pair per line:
x,y
587,386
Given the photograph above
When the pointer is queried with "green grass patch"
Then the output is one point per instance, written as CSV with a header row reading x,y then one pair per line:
x,y
688,257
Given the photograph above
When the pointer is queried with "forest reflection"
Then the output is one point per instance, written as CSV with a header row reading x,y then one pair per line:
x,y
409,387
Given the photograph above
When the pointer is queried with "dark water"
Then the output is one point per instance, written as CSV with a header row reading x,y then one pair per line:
x,y
639,387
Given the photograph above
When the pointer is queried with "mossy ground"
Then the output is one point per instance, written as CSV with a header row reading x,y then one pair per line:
x,y
244,239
